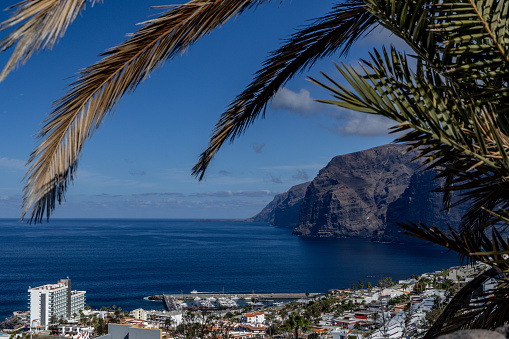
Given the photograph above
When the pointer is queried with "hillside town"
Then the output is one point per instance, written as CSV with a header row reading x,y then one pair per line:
x,y
390,309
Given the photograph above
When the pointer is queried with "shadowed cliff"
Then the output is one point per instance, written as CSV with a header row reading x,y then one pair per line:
x,y
362,194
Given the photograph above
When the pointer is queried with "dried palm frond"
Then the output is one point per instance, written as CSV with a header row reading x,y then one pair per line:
x,y
334,32
44,22
99,87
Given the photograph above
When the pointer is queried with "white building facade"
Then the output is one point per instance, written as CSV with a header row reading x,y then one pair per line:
x,y
54,300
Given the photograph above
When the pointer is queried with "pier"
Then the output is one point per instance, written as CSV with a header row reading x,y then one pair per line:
x,y
261,296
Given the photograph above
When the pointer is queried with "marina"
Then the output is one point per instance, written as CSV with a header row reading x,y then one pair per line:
x,y
197,300
246,296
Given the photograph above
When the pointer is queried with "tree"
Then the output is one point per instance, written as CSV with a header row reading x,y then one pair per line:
x,y
369,286
168,323
296,323
53,319
449,101
101,327
35,25
450,105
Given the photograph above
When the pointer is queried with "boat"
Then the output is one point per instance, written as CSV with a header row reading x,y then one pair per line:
x,y
206,303
197,298
194,292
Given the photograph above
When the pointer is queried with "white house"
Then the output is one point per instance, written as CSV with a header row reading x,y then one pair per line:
x,y
253,318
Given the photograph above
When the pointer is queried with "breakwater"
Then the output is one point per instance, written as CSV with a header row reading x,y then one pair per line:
x,y
247,296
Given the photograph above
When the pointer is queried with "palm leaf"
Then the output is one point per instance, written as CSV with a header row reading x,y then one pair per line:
x,y
346,23
476,37
463,313
99,87
460,139
44,21
470,307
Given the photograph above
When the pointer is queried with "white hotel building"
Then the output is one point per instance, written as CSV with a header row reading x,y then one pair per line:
x,y
54,300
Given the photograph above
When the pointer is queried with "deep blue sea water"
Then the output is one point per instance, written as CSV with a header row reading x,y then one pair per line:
x,y
122,261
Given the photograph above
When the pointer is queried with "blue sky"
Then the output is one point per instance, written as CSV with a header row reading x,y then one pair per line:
x,y
138,163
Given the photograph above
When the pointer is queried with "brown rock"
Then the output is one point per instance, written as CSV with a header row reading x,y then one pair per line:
x,y
284,210
350,196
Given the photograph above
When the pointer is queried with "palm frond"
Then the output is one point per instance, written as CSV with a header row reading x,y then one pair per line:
x,y
337,31
473,246
460,138
44,21
475,39
408,20
99,87
462,312
471,307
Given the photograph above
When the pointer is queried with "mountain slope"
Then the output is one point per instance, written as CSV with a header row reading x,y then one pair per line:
x,y
362,194
284,209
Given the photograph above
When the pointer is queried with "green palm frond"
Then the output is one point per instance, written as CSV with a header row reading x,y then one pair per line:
x,y
462,139
476,39
471,307
99,88
335,32
409,20
43,22
473,246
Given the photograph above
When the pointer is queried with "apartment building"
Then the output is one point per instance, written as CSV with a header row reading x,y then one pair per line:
x,y
57,300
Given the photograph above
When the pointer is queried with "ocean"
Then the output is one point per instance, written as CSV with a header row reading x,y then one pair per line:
x,y
121,261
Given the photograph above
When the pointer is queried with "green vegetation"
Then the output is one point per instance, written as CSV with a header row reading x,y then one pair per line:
x,y
296,323
451,105
449,99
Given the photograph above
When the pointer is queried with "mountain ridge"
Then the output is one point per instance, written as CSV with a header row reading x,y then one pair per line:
x,y
362,194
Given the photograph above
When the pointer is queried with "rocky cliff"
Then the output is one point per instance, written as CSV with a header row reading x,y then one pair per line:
x,y
284,209
362,194
418,203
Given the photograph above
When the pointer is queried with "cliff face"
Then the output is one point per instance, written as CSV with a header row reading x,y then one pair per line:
x,y
362,194
416,204
350,196
284,209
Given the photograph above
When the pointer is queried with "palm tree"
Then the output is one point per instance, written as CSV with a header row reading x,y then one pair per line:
x,y
99,87
451,104
449,99
168,323
296,323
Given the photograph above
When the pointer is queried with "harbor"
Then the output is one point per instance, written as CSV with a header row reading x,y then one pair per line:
x,y
245,296
217,301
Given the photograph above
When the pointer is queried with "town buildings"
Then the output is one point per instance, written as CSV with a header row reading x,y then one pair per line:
x,y
54,301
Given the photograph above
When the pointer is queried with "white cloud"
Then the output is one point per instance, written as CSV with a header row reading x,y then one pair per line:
x,y
223,194
363,124
297,167
301,102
